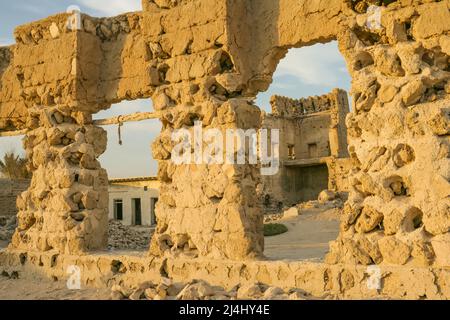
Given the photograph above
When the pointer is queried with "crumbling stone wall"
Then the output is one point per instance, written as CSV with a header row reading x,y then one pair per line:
x,y
313,140
62,76
399,209
340,170
206,60
13,110
183,64
65,207
327,113
203,210
316,279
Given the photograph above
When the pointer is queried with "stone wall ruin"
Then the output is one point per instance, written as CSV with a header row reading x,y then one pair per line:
x,y
206,60
313,148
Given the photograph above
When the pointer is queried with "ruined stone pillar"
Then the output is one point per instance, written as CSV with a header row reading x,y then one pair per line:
x,y
205,210
399,206
66,207
208,210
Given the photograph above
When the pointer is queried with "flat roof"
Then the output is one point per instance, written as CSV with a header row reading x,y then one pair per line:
x,y
135,179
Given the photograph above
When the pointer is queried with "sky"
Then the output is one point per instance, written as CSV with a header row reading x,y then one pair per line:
x,y
304,72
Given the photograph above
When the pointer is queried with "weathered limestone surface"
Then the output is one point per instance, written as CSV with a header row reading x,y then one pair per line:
x,y
399,208
65,207
203,60
317,279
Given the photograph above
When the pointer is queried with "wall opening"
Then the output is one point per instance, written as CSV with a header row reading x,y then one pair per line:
x,y
137,212
291,151
133,186
118,209
304,104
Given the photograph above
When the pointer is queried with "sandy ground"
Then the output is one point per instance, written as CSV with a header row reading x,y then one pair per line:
x,y
307,238
39,289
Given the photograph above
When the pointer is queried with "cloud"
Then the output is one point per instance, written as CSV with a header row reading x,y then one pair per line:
x,y
317,65
282,84
31,8
112,7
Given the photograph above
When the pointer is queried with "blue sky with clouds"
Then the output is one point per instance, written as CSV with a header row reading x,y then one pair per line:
x,y
303,72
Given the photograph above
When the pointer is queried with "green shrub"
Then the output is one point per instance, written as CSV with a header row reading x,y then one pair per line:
x,y
274,229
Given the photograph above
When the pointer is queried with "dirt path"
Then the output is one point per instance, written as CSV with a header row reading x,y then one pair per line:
x,y
307,238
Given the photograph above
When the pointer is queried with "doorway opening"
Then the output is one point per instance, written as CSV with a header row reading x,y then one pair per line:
x,y
137,211
118,209
304,184
132,171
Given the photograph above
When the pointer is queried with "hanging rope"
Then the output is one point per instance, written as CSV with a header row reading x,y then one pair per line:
x,y
139,116
120,124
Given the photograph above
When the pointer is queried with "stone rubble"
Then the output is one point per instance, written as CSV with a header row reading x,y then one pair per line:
x,y
330,204
201,290
121,237
204,60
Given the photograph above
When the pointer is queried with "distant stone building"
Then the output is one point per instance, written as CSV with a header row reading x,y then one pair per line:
x,y
313,148
133,200
9,190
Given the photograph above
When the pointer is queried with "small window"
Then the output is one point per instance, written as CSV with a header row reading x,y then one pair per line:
x,y
118,209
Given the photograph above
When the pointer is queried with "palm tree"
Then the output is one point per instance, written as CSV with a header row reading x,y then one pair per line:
x,y
14,167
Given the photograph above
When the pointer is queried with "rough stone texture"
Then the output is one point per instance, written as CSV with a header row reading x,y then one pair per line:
x,y
310,279
9,190
201,290
399,129
65,207
204,210
122,237
206,60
